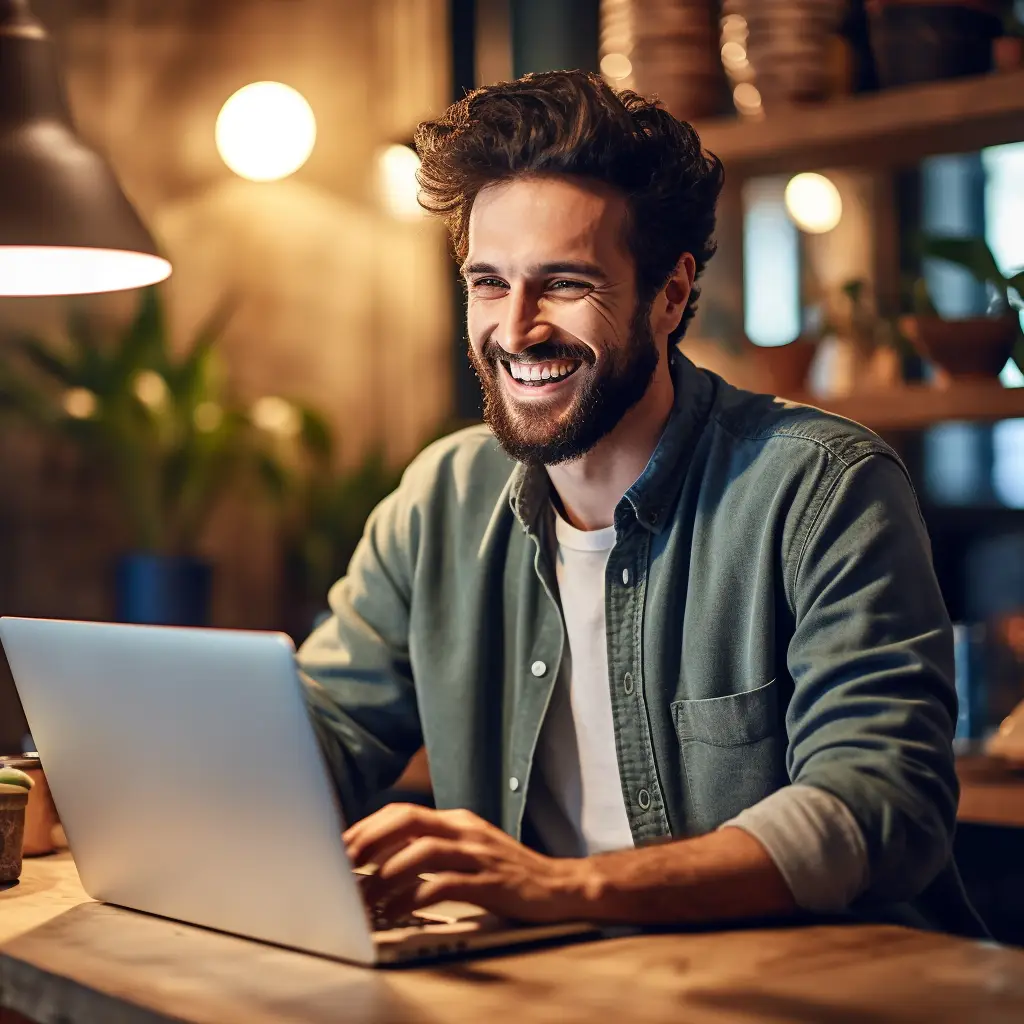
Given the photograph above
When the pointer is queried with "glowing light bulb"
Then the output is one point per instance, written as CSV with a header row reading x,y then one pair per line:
x,y
265,131
814,203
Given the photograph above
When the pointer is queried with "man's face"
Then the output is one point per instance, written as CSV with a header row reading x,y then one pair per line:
x,y
555,333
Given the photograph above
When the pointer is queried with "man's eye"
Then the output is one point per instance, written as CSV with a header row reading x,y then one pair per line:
x,y
489,282
567,285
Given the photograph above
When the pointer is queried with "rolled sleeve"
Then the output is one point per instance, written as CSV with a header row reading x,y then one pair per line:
x,y
814,841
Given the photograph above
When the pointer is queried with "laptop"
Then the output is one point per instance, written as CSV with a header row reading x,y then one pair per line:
x,y
190,784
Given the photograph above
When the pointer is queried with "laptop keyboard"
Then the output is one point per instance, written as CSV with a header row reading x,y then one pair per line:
x,y
382,921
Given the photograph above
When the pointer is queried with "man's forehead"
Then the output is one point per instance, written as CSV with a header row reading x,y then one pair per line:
x,y
534,221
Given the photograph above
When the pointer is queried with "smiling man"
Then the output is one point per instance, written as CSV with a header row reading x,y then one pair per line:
x,y
676,651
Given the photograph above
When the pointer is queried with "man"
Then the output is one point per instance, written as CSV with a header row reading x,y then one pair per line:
x,y
676,651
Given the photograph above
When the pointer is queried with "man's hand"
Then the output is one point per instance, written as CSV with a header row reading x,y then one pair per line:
x,y
724,874
471,861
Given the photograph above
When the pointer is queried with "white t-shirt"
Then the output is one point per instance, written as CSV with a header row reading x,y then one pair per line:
x,y
576,805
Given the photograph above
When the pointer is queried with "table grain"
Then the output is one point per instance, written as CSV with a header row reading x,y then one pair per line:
x,y
65,958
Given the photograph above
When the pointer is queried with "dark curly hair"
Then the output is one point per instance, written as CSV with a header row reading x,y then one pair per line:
x,y
573,123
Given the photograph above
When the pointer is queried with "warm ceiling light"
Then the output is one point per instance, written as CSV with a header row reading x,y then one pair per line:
x,y
66,227
814,203
265,131
396,181
616,66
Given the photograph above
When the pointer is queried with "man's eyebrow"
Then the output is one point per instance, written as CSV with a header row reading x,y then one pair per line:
x,y
581,267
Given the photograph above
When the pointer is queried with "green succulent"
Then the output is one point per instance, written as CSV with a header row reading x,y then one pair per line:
x,y
15,777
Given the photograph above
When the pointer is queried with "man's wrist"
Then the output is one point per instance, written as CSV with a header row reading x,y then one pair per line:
x,y
723,875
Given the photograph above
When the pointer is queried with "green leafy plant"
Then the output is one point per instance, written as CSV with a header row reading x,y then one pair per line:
x,y
323,508
160,426
974,255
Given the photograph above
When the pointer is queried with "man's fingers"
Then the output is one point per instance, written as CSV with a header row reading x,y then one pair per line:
x,y
389,812
383,832
426,854
447,885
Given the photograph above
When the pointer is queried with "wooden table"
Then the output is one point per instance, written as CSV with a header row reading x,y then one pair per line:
x,y
64,958
990,794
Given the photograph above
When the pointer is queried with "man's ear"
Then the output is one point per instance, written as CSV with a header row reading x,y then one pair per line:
x,y
670,303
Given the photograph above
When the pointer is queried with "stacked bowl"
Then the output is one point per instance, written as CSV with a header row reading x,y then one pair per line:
x,y
788,44
672,47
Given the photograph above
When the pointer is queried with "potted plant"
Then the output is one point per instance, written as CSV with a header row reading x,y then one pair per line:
x,y
1008,49
323,508
161,429
975,346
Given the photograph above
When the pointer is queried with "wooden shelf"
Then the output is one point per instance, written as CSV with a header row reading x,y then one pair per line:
x,y
896,126
916,406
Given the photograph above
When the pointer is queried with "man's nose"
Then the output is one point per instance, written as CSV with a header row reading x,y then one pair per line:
x,y
523,327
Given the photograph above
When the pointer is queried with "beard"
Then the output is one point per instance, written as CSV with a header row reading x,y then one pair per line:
x,y
546,434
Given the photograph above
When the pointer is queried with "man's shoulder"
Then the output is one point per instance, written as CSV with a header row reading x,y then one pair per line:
x,y
771,422
469,462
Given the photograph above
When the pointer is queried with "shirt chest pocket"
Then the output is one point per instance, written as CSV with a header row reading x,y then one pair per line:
x,y
733,751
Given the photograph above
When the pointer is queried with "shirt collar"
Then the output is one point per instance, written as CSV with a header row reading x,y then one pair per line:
x,y
653,495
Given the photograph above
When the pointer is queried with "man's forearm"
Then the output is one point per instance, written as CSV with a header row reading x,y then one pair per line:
x,y
725,874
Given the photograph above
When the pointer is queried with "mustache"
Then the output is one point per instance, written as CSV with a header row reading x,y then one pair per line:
x,y
543,352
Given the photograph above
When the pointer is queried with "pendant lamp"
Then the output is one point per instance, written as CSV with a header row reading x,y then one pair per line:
x,y
66,227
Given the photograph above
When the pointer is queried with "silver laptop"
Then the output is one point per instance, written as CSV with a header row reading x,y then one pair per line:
x,y
190,784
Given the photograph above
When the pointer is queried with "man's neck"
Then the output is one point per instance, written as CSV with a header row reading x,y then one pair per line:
x,y
590,488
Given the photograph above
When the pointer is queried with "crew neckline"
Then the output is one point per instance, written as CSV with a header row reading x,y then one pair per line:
x,y
582,540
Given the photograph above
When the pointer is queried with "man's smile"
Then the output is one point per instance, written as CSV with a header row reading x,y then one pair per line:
x,y
539,377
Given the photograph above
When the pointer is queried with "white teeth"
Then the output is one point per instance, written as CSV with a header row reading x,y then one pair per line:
x,y
540,371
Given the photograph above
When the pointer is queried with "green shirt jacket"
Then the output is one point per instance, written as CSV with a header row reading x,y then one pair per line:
x,y
772,616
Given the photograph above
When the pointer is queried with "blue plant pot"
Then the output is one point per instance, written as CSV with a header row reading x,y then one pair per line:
x,y
162,590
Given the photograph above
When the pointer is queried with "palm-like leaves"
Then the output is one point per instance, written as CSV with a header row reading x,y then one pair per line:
x,y
161,426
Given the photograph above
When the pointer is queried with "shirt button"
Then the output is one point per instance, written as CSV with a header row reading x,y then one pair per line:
x,y
627,682
625,577
513,783
538,668
643,798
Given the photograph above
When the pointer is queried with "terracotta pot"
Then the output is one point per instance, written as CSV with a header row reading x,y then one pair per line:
x,y
782,369
1008,53
13,800
40,814
978,347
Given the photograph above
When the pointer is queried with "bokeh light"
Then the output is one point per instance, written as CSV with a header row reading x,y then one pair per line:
x,y
265,131
814,203
616,66
396,181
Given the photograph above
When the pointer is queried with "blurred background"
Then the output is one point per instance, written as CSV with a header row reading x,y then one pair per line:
x,y
205,451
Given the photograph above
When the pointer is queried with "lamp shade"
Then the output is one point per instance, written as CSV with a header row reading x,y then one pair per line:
x,y
66,228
